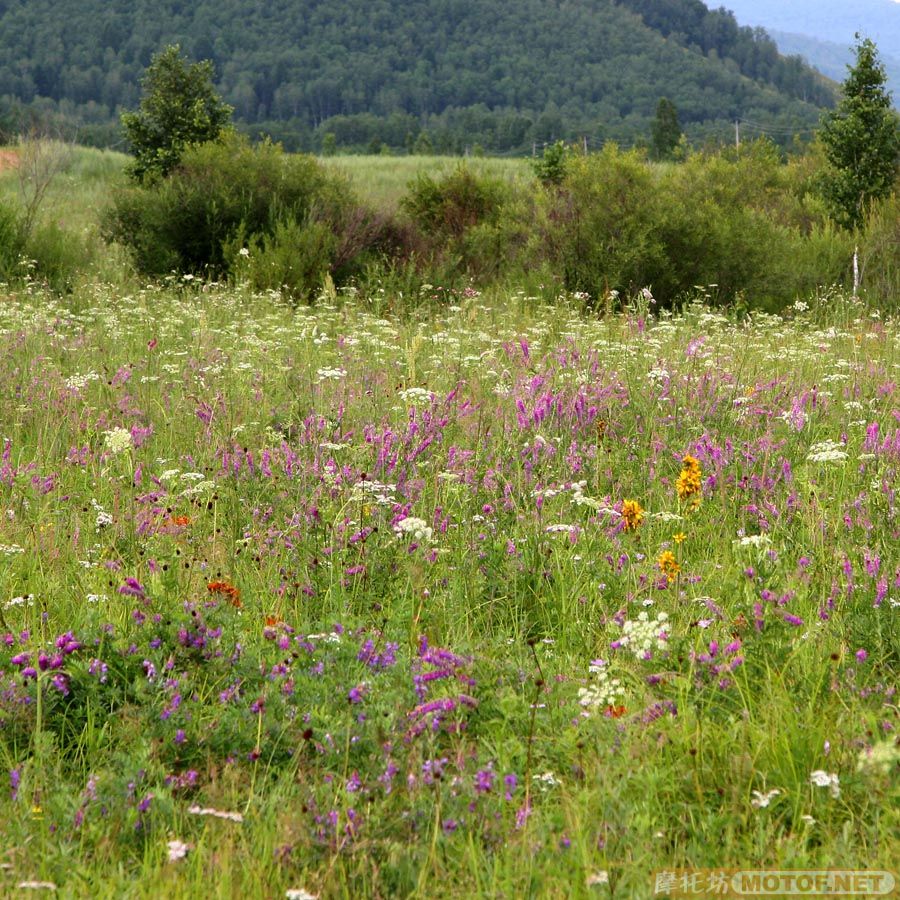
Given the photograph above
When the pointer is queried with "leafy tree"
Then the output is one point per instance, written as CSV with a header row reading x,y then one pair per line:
x,y
551,167
861,140
179,108
666,131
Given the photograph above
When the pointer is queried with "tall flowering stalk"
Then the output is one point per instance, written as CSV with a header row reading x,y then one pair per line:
x,y
688,484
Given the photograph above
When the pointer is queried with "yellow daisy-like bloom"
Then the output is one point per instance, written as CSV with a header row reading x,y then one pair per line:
x,y
688,483
633,514
679,538
668,565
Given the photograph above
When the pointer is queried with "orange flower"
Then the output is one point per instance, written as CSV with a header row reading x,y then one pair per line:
x,y
688,483
633,514
614,712
228,590
668,565
272,621
180,521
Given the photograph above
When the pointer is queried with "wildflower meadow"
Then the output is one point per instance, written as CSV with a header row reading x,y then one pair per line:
x,y
495,598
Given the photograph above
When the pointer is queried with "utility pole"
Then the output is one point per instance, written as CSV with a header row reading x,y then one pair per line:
x,y
737,134
584,140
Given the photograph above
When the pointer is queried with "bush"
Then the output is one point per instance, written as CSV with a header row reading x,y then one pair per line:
x,y
734,225
446,207
295,216
879,256
600,226
295,258
465,223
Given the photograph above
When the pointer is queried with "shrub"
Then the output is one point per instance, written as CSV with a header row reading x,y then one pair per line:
x,y
879,256
599,229
734,225
294,258
551,167
224,196
465,223
446,207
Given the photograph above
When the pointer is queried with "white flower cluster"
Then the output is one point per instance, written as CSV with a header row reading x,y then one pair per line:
x,y
417,396
561,528
827,451
643,635
757,542
761,800
103,517
11,549
118,440
603,691
414,528
200,487
821,778
331,374
78,382
374,491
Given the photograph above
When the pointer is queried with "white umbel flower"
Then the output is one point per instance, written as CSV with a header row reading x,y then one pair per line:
x,y
118,440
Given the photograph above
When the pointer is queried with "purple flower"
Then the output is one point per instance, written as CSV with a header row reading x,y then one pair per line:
x,y
484,781
357,693
98,667
133,588
861,656
511,782
15,776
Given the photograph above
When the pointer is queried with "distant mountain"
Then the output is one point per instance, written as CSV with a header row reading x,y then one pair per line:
x,y
834,21
832,59
503,74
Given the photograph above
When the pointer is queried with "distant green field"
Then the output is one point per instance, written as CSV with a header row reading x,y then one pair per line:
x,y
384,179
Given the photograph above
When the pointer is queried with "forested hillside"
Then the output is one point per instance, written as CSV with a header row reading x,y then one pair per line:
x,y
443,73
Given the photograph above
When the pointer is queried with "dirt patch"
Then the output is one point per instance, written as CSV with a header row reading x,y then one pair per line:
x,y
9,159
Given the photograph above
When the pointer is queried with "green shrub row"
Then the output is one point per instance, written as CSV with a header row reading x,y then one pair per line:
x,y
747,228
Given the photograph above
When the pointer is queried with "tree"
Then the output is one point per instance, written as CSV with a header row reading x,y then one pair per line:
x,y
666,131
861,138
179,108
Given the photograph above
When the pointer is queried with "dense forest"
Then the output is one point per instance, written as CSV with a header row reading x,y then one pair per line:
x,y
426,74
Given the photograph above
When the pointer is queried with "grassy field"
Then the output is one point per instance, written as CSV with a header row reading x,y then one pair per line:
x,y
501,601
382,180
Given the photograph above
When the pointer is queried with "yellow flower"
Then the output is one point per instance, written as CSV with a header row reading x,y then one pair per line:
x,y
668,565
688,483
633,514
679,538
